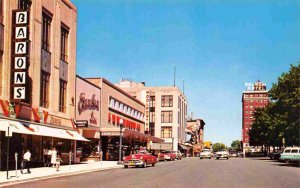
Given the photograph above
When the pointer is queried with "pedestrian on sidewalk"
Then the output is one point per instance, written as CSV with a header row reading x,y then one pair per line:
x,y
53,154
47,157
58,161
26,161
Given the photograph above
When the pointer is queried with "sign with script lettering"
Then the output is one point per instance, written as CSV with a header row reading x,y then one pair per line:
x,y
20,55
87,102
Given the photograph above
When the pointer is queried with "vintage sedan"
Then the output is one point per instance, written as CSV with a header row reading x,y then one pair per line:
x,y
222,154
140,159
166,155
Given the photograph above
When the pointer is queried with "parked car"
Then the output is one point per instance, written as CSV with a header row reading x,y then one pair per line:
x,y
166,155
206,154
178,154
141,159
222,154
275,155
290,154
233,154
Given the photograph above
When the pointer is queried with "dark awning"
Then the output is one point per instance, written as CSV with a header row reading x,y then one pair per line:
x,y
183,147
140,136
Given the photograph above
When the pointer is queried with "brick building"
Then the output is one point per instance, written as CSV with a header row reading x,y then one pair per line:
x,y
255,96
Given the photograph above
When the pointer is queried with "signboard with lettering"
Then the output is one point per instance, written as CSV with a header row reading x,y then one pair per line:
x,y
147,110
87,102
20,56
257,86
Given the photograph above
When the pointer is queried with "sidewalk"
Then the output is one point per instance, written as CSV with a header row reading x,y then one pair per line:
x,y
46,172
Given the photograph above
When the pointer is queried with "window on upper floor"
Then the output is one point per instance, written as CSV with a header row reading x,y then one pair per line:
x,y
24,4
166,116
152,101
166,132
62,95
167,100
44,89
46,31
64,43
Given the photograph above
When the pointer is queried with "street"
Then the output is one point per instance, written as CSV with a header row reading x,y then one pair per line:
x,y
190,172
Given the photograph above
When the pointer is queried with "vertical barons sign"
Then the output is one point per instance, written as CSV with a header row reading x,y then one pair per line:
x,y
20,55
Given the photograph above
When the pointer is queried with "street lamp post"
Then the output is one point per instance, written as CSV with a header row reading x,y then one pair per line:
x,y
120,143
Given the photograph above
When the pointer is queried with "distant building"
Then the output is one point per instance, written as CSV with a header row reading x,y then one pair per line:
x,y
195,127
255,96
165,110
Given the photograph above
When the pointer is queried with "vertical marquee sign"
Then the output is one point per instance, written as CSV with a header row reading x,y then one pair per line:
x,y
20,56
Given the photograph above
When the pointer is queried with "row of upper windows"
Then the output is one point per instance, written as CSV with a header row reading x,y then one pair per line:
x,y
45,76
259,101
166,101
255,95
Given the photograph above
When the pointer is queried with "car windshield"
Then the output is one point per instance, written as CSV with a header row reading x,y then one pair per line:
x,y
165,152
287,151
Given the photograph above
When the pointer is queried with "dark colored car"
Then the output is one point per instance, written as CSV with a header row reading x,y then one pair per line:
x,y
275,155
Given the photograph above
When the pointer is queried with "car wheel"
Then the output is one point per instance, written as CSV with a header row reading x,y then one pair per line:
x,y
217,158
200,157
125,166
227,158
210,158
153,164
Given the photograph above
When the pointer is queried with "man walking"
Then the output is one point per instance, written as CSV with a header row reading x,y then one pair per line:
x,y
26,161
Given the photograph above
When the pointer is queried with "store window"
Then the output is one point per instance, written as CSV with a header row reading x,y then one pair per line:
x,y
44,93
167,100
166,132
64,43
166,116
62,95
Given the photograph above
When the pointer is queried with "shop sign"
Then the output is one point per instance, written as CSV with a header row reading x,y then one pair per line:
x,y
88,102
55,121
81,123
20,55
110,133
147,110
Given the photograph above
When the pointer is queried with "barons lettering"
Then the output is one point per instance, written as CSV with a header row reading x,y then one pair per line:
x,y
87,104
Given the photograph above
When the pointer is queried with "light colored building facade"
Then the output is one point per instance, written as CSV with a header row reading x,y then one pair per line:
x,y
37,75
255,96
116,104
165,110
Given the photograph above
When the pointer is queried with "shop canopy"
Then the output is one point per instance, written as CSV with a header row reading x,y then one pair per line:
x,y
39,130
183,147
140,136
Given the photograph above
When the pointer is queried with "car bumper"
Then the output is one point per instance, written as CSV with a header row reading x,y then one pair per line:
x,y
222,156
205,156
133,163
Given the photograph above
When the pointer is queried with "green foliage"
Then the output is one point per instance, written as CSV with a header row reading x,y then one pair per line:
x,y
218,146
281,118
236,145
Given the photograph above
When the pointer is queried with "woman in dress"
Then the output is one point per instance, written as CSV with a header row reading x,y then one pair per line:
x,y
53,153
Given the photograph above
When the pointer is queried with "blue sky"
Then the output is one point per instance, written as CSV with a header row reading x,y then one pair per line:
x,y
217,46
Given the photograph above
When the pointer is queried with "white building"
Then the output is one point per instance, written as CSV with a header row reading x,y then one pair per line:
x,y
165,112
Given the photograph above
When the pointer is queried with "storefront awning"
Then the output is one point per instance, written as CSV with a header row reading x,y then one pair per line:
x,y
39,130
140,136
183,146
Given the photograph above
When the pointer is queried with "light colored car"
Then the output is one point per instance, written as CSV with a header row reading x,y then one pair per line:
x,y
206,154
178,154
222,154
290,154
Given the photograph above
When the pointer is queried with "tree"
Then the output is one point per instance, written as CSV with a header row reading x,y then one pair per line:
x,y
286,94
280,120
218,146
236,145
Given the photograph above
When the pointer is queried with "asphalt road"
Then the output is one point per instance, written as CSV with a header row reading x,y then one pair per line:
x,y
192,172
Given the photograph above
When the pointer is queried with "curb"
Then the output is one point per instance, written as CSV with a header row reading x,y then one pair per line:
x,y
55,176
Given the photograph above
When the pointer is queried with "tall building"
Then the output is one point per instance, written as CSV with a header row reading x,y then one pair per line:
x,y
255,96
37,77
165,110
